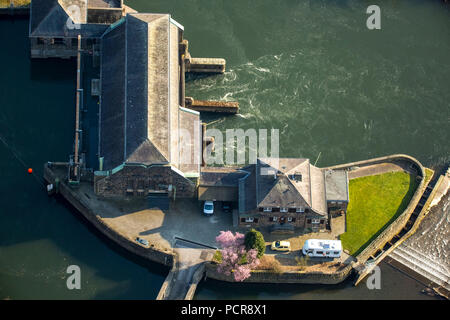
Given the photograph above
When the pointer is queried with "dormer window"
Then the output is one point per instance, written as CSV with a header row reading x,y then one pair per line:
x,y
267,209
283,209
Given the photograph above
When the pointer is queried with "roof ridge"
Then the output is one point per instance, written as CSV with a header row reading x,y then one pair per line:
x,y
142,145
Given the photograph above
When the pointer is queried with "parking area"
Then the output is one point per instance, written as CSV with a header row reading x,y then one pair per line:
x,y
184,219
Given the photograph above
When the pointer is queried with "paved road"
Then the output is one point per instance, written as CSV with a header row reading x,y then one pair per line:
x,y
190,258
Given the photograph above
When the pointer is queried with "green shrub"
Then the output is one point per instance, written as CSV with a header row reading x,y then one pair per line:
x,y
255,240
217,257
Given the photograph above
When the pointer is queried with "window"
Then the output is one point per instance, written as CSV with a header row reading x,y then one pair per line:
x,y
300,209
249,219
315,221
289,219
260,209
40,41
292,210
319,252
308,220
130,187
335,252
74,42
275,209
242,219
283,210
58,40
322,221
274,219
267,209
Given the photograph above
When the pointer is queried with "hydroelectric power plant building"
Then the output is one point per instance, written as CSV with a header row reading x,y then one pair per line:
x,y
147,141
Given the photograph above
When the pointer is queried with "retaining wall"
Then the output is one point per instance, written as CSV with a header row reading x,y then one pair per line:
x,y
263,276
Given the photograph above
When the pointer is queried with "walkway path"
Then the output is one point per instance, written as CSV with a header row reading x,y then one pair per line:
x,y
182,280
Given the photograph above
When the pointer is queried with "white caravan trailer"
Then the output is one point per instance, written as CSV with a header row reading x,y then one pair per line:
x,y
322,248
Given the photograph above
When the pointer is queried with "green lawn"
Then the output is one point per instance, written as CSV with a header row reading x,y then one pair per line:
x,y
375,201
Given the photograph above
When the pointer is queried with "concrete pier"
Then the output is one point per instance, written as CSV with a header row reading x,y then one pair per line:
x,y
212,106
206,65
200,65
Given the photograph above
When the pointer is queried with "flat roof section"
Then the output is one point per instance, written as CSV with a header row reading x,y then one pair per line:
x,y
336,185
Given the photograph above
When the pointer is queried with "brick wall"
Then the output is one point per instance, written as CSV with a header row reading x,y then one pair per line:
x,y
138,180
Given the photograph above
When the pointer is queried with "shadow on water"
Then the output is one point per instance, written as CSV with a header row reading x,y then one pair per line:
x,y
112,274
39,70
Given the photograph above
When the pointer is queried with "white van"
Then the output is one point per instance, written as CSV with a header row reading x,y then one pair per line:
x,y
322,248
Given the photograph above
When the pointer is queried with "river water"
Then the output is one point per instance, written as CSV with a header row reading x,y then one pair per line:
x,y
308,68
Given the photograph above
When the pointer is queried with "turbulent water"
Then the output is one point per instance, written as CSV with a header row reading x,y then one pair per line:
x,y
308,68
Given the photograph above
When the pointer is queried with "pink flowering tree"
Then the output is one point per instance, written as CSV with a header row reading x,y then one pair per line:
x,y
236,259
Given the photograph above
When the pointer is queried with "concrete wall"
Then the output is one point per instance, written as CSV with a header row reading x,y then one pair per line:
x,y
262,276
165,258
425,209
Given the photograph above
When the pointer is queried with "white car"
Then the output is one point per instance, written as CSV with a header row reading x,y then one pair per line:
x,y
208,208
142,241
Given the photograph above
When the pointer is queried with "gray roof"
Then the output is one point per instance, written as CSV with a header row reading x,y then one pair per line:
x,y
221,176
271,184
53,18
112,112
336,184
139,100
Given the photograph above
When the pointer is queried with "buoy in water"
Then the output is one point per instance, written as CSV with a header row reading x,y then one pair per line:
x,y
30,170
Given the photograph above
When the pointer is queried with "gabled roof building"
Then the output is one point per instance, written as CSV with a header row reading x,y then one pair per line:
x,y
56,24
290,193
